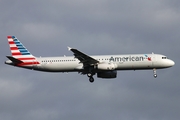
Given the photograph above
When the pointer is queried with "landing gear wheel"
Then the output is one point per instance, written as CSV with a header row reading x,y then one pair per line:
x,y
154,72
91,79
155,75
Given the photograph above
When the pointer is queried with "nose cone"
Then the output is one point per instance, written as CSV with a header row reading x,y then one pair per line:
x,y
171,63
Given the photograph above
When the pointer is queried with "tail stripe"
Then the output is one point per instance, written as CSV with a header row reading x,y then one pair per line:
x,y
15,51
11,42
26,58
12,45
14,54
14,48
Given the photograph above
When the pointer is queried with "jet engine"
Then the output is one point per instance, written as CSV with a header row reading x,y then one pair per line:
x,y
106,66
107,74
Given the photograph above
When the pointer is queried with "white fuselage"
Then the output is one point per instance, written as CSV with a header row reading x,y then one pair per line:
x,y
120,62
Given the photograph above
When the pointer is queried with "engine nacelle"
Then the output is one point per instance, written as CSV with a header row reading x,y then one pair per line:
x,y
107,74
106,66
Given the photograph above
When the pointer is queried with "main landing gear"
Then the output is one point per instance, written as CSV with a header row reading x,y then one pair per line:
x,y
154,72
91,79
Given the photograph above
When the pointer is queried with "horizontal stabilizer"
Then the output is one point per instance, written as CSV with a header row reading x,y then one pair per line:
x,y
14,60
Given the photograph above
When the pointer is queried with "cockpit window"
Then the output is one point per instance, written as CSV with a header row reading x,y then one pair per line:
x,y
164,57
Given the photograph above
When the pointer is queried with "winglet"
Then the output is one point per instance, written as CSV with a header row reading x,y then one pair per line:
x,y
69,48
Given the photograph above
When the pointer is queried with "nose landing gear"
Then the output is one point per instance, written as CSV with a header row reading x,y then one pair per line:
x,y
154,72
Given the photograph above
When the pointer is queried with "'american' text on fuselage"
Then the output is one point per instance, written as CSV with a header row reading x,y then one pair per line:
x,y
126,59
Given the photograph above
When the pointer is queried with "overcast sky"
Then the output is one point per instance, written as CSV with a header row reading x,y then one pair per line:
x,y
47,27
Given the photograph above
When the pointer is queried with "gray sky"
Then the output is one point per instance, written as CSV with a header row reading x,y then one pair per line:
x,y
47,27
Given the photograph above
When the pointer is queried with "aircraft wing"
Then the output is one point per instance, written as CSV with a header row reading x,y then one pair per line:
x,y
83,58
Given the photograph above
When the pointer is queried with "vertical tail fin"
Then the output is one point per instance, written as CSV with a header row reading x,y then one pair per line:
x,y
17,48
20,52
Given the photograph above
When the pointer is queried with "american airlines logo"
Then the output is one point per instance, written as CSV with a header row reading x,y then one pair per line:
x,y
129,58
148,58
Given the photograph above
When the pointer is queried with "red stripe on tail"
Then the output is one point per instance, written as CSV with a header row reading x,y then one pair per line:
x,y
9,36
16,54
13,48
28,63
11,42
26,58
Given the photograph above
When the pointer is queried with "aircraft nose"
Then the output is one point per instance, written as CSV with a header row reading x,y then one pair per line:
x,y
171,63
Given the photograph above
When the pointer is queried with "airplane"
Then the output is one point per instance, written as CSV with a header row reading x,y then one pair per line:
x,y
105,66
